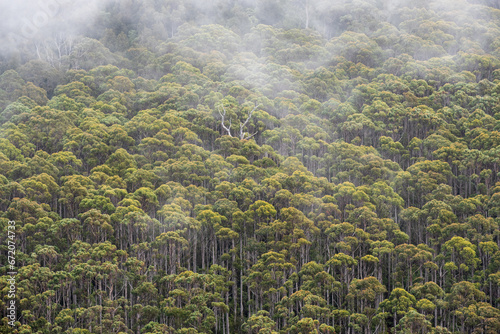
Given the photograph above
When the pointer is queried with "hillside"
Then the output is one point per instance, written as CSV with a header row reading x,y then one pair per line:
x,y
248,166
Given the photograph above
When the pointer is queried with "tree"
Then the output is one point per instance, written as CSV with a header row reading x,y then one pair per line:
x,y
260,323
120,162
242,135
365,293
73,190
462,253
414,322
398,305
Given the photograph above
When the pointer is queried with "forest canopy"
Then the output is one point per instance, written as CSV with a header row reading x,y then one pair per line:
x,y
299,166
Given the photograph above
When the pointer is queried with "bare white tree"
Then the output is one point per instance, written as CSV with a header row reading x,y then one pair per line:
x,y
242,133
53,49
223,115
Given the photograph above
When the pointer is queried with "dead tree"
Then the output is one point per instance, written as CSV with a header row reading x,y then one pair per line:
x,y
54,50
242,125
222,115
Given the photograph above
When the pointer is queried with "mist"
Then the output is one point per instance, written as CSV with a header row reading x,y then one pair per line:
x,y
24,24
27,24
74,34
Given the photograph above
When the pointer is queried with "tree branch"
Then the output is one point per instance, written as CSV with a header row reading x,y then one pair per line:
x,y
250,136
228,129
242,134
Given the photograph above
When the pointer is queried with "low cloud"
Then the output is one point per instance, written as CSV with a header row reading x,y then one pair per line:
x,y
26,23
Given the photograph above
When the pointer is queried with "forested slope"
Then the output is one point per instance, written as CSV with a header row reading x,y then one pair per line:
x,y
362,195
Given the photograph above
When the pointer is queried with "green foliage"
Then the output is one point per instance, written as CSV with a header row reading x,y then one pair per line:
x,y
256,167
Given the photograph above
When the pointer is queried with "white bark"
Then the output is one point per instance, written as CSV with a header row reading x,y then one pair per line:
x,y
222,115
242,125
